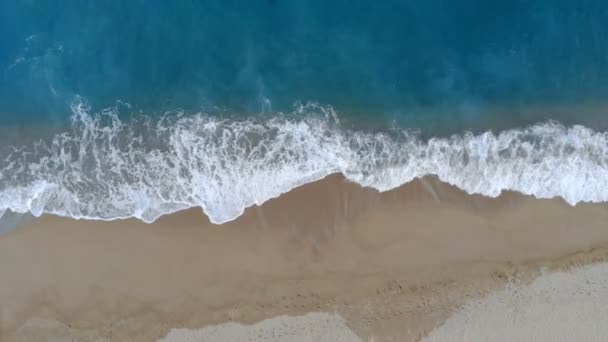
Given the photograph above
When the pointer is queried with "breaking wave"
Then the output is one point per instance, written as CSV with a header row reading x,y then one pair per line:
x,y
106,168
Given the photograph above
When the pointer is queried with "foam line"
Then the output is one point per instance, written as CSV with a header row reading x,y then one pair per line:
x,y
104,168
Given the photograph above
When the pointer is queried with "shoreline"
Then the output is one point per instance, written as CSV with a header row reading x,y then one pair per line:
x,y
114,172
393,264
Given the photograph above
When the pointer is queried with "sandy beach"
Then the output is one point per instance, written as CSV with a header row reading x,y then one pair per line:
x,y
303,171
394,265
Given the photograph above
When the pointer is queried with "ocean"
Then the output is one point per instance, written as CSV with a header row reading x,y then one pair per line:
x,y
139,109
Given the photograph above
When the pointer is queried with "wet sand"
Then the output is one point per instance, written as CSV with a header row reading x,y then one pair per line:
x,y
393,264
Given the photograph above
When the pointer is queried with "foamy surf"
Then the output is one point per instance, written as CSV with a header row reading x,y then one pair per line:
x,y
103,168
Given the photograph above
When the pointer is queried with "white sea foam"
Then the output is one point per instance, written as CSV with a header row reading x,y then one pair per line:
x,y
568,306
314,326
104,168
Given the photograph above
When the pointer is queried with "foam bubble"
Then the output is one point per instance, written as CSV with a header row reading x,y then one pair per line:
x,y
104,168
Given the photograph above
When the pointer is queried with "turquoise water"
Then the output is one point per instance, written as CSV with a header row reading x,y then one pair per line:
x,y
390,60
148,107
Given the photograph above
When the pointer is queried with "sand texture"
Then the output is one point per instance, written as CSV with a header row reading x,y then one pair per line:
x,y
393,265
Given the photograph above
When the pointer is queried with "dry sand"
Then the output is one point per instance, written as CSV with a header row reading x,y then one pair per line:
x,y
394,265
558,306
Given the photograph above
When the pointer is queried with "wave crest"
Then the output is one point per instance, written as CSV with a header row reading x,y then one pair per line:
x,y
104,168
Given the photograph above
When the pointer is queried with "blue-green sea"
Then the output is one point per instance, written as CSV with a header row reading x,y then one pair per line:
x,y
116,109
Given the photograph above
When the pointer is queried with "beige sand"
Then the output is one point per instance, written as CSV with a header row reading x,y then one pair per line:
x,y
557,306
393,265
311,327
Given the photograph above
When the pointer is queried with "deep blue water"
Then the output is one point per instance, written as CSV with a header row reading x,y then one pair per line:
x,y
378,60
